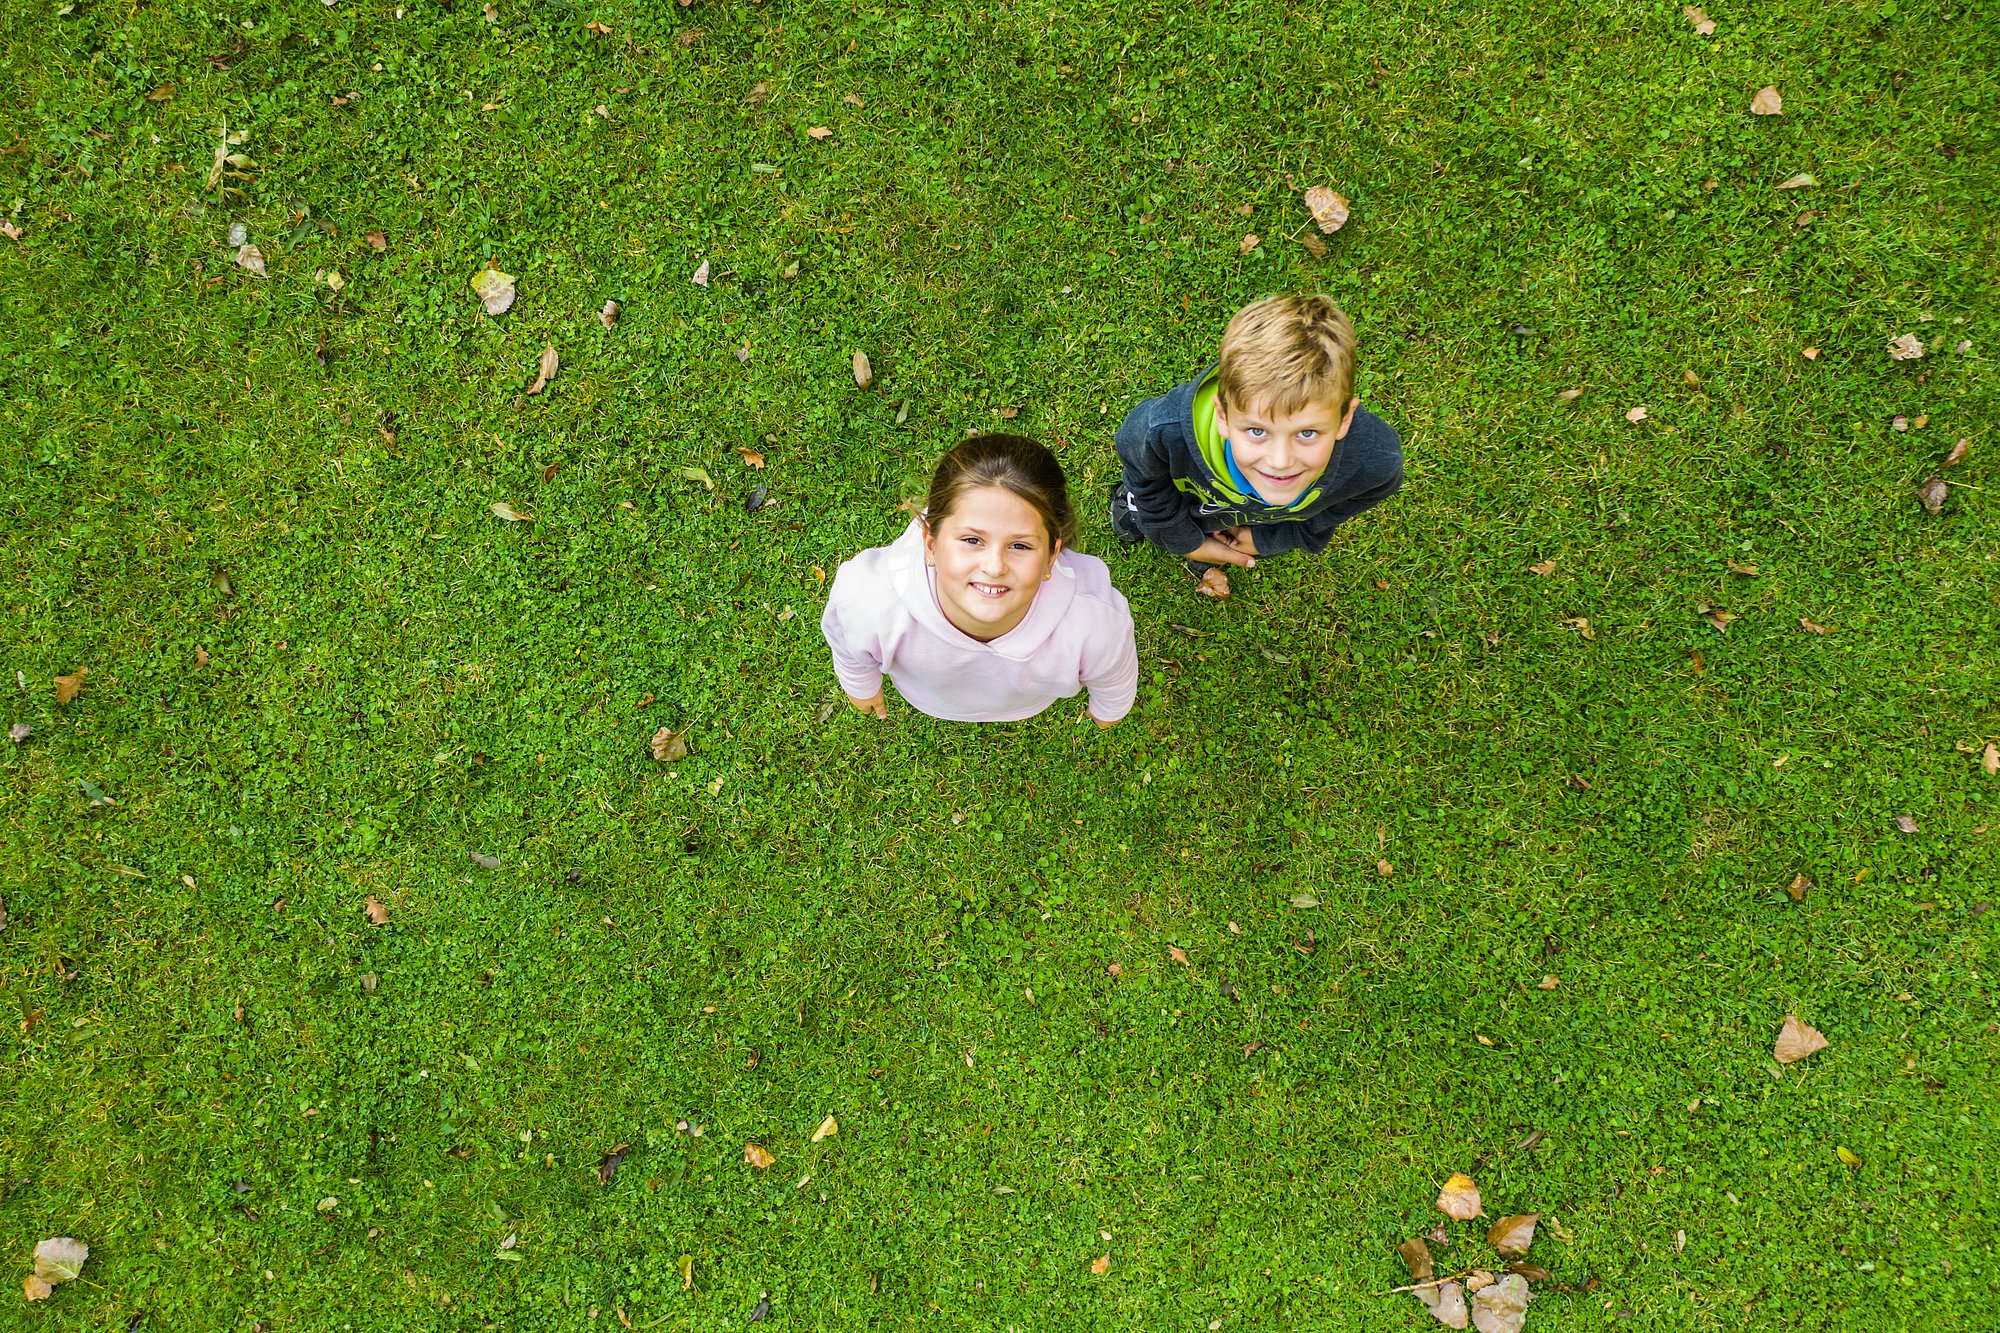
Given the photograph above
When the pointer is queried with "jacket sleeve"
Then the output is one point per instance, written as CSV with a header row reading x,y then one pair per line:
x,y
1377,474
1145,450
857,659
1111,667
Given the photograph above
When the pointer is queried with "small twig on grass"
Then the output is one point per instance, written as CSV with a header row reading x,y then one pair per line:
x,y
1430,1282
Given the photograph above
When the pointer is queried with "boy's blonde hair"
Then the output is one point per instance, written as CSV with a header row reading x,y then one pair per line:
x,y
1283,352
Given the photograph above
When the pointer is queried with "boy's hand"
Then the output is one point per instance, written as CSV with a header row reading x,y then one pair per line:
x,y
1243,538
879,705
1216,551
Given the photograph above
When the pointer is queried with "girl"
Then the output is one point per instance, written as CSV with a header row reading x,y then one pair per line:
x,y
980,612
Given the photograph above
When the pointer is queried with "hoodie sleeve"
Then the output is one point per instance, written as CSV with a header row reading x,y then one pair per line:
x,y
1146,452
1111,663
857,655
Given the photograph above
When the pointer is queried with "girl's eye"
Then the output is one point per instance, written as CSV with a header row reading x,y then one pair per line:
x,y
1023,546
970,541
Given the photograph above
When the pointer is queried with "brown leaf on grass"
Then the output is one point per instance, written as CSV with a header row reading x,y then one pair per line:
x,y
1178,954
1009,413
668,745
1446,1302
1249,242
1581,625
600,29
59,1259
1570,395
1989,759
67,686
1418,1256
609,314
1697,663
1459,1199
1692,380
503,510
1814,627
1478,1280
853,100
1748,571
1906,824
1767,102
1797,888
1531,1271
377,241
819,132
608,1164
1314,246
35,1289
1796,1041
1957,454
1100,1265
1810,354
864,372
1715,616
757,1157
751,458
1501,1307
1798,180
1116,969
1214,583
1636,415
1547,566
1548,983
1933,493
1385,869
1703,25
700,275
759,92
545,370
1329,210
1905,347
251,259
1513,1235
377,913
494,289
827,1128
9,230
549,473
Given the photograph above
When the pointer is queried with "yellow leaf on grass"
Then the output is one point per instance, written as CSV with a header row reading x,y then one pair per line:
x,y
1797,888
67,686
1846,1158
751,458
1101,1265
1459,1198
827,1128
494,289
1582,626
1796,1041
501,509
757,1157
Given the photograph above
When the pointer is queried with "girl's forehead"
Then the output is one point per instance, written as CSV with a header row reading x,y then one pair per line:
x,y
994,507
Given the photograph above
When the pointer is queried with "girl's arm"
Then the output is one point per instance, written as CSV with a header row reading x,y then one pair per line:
x,y
1111,666
857,665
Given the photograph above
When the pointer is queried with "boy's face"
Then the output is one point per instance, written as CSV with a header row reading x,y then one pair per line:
x,y
1283,453
992,556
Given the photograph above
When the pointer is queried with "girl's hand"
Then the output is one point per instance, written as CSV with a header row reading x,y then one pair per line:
x,y
1102,725
878,705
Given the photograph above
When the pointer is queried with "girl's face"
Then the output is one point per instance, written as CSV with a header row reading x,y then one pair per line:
x,y
992,555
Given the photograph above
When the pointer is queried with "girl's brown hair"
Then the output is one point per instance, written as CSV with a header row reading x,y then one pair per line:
x,y
1014,463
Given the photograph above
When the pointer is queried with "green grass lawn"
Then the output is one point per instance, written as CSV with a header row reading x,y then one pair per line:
x,y
257,510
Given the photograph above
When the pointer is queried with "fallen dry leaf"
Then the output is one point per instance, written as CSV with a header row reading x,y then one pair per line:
x,y
377,241
377,913
1179,955
1446,1302
1314,246
35,1289
1636,415
1548,983
1746,570
600,29
819,132
1767,102
1905,347
1989,759
1797,888
668,745
1501,1307
853,100
1798,180
1547,566
1957,454
12,233
1703,24
1810,354
609,314
1459,1199
1248,243
1513,1235
1570,395
751,458
19,732
1796,1041
609,1163
249,257
864,373
1214,583
1101,1265
759,91
1581,625
494,289
685,1267
501,509
1418,1256
1906,824
700,275
757,1157
1329,210
1814,627
1116,969
827,1128
546,370
1385,869
1478,1281
1899,423
1692,380
1932,493
67,686
58,1260
1715,616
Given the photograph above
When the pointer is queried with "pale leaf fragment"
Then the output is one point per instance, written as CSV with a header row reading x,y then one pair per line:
x,y
1570,395
1446,1302
494,289
1798,180
1636,415
1459,1199
1249,242
819,132
1330,211
503,510
669,745
1905,347
751,458
1797,888
1957,454
700,275
1512,1236
1932,493
59,1259
1581,624
1100,1265
251,259
12,233
546,370
1989,759
377,913
1314,246
34,1288
1796,1041
1178,954
864,373
1767,102
827,1128
1545,567
757,1157
1906,824
1703,25
609,314
1501,1307
67,686
1548,983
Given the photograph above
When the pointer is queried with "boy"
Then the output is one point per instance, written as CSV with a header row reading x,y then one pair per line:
x,y
1267,451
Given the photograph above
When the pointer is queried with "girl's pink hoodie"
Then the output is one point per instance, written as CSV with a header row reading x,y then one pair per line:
x,y
883,616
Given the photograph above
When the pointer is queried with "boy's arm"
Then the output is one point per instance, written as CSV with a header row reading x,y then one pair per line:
x,y
1163,514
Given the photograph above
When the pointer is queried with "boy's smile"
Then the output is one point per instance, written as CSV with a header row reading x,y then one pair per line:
x,y
992,555
1282,453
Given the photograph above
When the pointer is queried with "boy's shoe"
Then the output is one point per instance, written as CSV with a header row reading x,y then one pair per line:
x,y
1123,522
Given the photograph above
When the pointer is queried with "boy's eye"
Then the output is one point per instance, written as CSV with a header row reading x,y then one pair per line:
x,y
1256,432
1308,434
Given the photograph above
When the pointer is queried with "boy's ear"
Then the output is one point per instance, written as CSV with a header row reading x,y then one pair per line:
x,y
1348,420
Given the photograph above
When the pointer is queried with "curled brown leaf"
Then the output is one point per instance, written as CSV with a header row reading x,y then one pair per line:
x,y
1513,1235
1418,1256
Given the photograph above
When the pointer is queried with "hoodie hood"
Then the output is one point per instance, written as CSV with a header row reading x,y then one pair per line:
x,y
916,587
